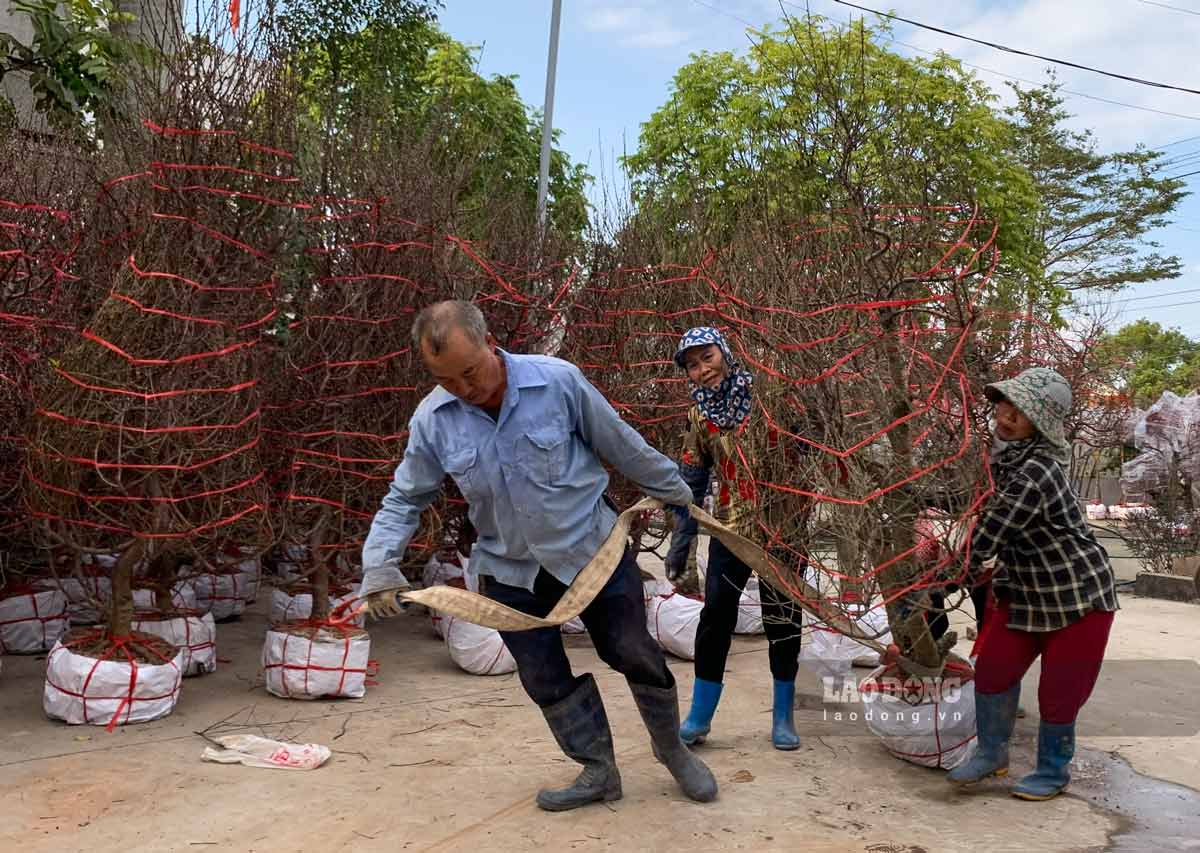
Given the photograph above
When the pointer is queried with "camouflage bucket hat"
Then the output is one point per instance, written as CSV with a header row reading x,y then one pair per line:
x,y
1043,396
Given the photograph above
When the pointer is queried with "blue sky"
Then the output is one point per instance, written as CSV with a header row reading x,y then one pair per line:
x,y
617,59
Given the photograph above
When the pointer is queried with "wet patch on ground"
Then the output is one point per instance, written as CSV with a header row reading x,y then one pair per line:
x,y
1154,815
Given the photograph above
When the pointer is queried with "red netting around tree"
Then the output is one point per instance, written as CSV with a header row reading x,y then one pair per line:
x,y
855,329
147,437
350,380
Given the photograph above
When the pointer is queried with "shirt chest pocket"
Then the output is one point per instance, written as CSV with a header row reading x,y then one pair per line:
x,y
542,453
462,466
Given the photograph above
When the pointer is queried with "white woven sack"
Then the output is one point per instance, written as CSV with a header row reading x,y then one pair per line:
x,y
332,665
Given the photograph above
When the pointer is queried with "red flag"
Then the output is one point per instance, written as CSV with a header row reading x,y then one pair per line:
x,y
235,9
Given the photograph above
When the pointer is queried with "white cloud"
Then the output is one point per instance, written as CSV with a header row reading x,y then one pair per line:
x,y
658,37
635,26
1123,37
612,19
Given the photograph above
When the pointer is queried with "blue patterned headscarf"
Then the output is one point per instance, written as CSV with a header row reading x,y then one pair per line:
x,y
727,406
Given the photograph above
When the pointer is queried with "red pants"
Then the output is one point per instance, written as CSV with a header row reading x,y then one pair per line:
x,y
1071,659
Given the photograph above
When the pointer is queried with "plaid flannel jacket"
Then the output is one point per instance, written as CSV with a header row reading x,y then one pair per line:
x,y
1049,566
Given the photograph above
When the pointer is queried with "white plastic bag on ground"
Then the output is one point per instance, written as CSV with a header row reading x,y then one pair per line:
x,y
87,599
289,607
932,727
476,649
333,663
81,689
224,593
255,751
750,617
183,597
32,618
194,632
672,620
1097,512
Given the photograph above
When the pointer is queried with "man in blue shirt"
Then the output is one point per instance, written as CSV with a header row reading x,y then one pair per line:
x,y
520,436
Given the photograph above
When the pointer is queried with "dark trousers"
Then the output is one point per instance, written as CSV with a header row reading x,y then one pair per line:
x,y
939,622
723,585
1071,660
616,622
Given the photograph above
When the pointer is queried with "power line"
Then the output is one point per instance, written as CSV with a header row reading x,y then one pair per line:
x,y
1002,74
1154,296
1180,141
725,13
1007,76
1168,6
1007,49
1179,158
1172,305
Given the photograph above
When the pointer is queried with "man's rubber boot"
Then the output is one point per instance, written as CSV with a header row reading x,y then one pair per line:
x,y
659,707
581,728
783,722
705,696
1056,748
995,718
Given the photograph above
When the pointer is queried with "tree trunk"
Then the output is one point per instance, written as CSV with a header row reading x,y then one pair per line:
x,y
906,612
320,574
120,620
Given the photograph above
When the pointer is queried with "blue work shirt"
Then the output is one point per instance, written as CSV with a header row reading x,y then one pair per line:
x,y
531,477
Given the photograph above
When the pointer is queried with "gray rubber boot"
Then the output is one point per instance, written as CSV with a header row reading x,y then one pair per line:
x,y
580,726
995,718
659,707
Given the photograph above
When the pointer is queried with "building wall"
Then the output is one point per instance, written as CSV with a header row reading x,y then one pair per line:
x,y
16,86
159,22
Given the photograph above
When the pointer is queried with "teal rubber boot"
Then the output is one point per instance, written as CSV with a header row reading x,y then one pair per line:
x,y
783,723
705,696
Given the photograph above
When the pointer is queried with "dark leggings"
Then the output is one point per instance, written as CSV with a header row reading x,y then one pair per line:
x,y
616,623
723,585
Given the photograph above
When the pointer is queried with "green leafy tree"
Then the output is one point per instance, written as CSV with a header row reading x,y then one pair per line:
x,y
1148,359
818,116
380,72
1096,209
73,58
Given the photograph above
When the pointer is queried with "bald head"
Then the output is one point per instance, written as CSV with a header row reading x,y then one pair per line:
x,y
436,324
454,343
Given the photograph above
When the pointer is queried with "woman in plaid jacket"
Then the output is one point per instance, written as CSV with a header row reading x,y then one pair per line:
x,y
715,442
1053,583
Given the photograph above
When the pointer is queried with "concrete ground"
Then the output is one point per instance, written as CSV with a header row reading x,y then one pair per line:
x,y
435,759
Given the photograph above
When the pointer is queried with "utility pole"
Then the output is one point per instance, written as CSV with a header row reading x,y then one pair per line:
x,y
548,119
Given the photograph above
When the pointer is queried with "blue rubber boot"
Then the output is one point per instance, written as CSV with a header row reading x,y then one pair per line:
x,y
783,725
705,696
995,718
1056,748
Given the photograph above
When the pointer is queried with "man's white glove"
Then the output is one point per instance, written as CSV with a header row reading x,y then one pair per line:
x,y
384,603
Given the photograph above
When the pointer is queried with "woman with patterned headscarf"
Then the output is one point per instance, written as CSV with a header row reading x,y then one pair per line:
x,y
723,395
1054,586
